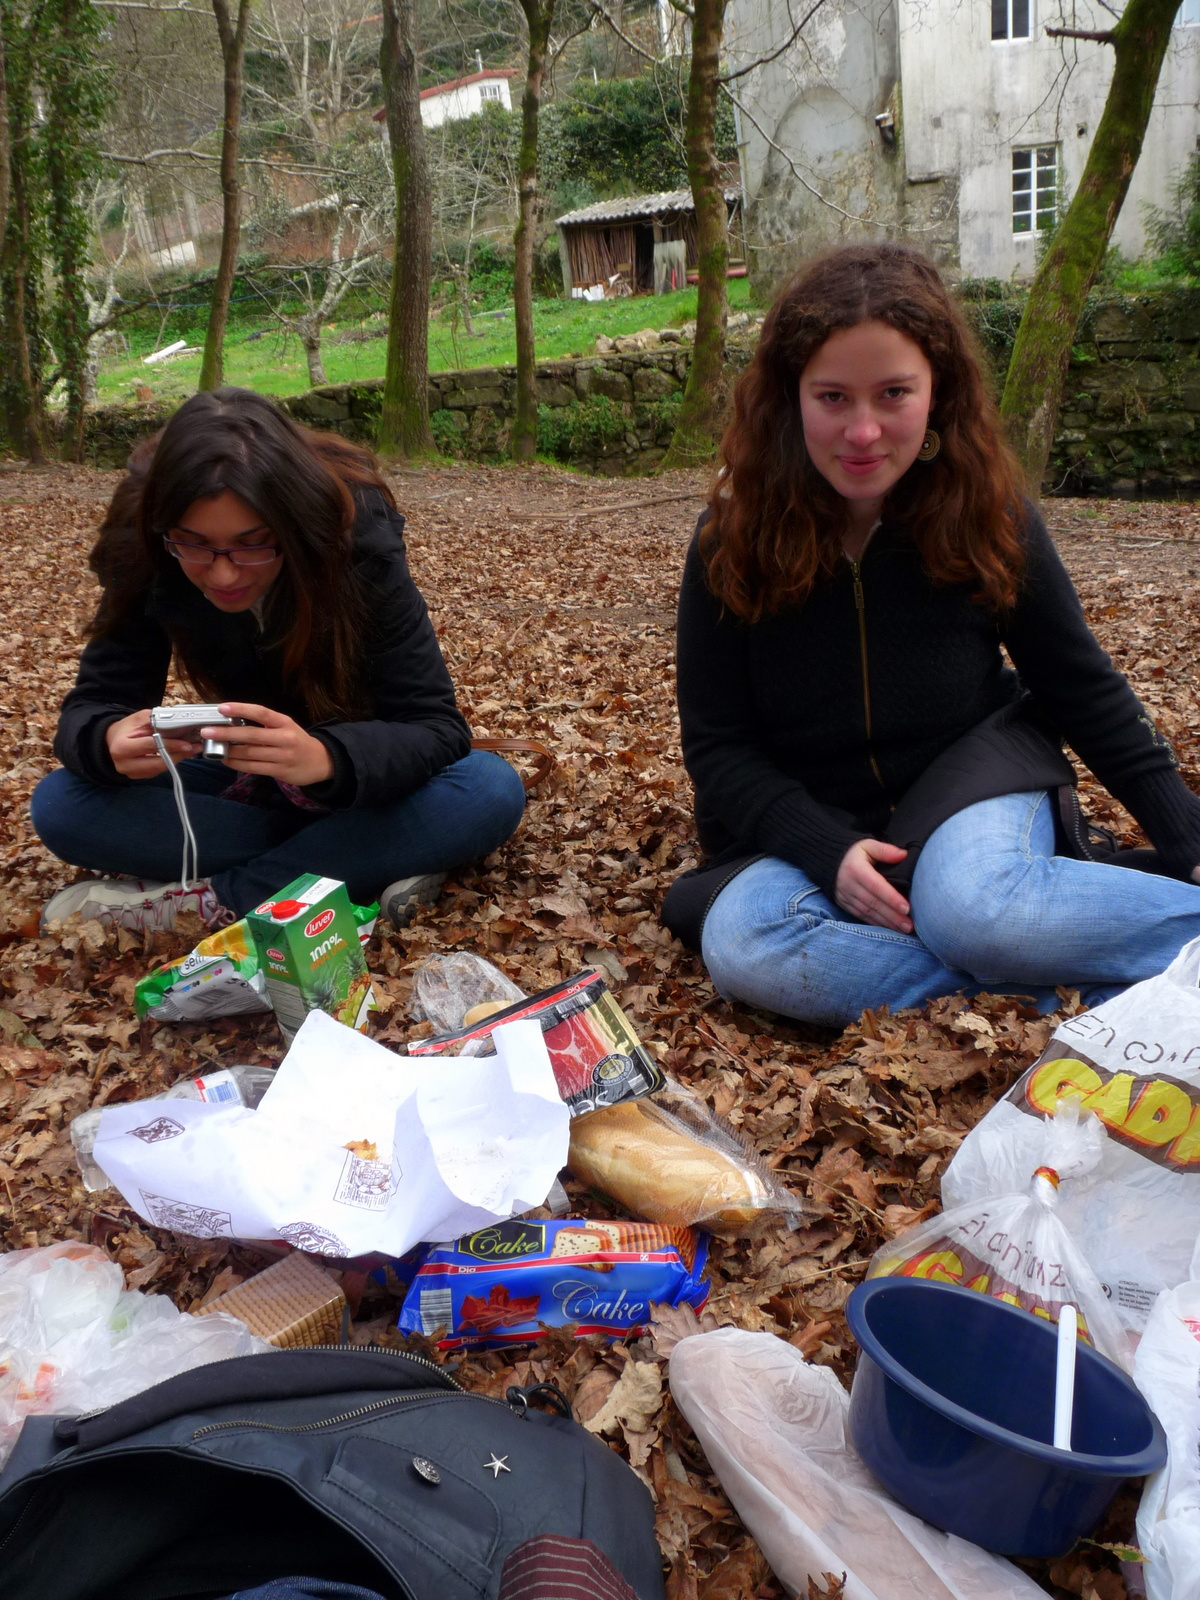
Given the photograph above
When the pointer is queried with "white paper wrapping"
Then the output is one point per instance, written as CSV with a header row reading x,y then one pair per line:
x,y
458,1143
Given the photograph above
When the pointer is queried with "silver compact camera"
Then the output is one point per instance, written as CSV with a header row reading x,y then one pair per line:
x,y
173,721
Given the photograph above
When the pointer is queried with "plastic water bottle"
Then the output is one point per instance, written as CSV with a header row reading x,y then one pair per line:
x,y
243,1086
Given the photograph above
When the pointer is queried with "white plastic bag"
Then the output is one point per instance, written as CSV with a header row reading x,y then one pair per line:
x,y
1135,1062
1014,1247
73,1338
1167,1371
773,1427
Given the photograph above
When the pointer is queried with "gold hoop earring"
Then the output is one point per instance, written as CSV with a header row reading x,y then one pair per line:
x,y
930,445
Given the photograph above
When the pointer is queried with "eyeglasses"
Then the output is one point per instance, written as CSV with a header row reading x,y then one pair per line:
x,y
202,555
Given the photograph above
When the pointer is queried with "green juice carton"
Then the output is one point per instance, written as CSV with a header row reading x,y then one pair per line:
x,y
308,944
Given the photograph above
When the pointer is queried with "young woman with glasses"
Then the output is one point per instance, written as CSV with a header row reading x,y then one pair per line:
x,y
267,564
885,803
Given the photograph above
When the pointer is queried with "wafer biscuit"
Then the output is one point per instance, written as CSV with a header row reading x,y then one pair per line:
x,y
295,1302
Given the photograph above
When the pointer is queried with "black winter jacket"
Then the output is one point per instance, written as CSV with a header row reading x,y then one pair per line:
x,y
412,729
804,732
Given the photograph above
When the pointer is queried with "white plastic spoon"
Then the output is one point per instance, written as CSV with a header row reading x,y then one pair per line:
x,y
1064,1378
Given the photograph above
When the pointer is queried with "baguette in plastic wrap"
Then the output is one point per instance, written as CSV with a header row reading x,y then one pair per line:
x,y
668,1158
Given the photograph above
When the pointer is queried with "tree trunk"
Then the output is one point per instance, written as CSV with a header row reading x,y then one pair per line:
x,y
233,49
4,142
310,338
25,413
404,420
704,395
1042,351
539,14
68,161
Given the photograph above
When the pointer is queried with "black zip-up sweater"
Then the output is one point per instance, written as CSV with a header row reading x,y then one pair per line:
x,y
412,727
802,731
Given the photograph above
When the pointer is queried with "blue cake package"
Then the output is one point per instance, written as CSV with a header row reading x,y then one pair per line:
x,y
502,1284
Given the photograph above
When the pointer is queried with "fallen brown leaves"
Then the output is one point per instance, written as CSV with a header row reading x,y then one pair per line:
x,y
561,630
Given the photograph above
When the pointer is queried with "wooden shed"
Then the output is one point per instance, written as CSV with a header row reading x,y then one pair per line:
x,y
639,244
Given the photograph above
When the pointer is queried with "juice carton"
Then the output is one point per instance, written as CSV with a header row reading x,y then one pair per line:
x,y
312,960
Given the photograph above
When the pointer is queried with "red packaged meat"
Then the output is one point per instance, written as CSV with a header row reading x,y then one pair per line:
x,y
598,1059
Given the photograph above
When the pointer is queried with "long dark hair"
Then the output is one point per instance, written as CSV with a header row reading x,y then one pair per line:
x,y
776,525
301,483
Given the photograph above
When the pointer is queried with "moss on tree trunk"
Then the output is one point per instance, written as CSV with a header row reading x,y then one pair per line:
x,y
233,50
694,439
1042,351
404,418
539,15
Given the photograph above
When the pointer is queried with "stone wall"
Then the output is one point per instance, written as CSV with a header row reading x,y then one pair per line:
x,y
1130,424
611,414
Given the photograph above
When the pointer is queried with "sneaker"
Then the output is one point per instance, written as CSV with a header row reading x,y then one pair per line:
x,y
136,903
399,901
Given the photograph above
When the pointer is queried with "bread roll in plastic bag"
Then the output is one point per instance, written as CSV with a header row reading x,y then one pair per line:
x,y
773,1427
668,1158
449,988
1167,1371
1015,1247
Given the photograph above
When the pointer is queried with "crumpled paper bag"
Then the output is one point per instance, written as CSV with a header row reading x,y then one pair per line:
x,y
352,1149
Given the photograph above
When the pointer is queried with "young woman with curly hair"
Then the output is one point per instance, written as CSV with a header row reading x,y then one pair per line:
x,y
267,563
885,805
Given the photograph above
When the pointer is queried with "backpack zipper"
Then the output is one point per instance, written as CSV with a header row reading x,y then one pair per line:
x,y
325,1422
362,1411
860,607
381,1349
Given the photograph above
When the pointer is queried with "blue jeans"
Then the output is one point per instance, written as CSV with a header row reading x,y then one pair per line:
x,y
251,851
993,908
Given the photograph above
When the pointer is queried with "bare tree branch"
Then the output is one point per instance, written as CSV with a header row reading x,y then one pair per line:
x,y
1098,36
631,44
873,222
763,61
141,5
245,161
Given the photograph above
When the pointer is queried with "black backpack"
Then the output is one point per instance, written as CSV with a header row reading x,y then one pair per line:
x,y
369,1466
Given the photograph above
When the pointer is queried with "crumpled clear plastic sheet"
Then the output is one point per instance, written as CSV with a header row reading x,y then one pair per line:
x,y
1016,1246
449,986
74,1339
774,1430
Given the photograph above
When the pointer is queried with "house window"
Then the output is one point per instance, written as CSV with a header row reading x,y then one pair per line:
x,y
1010,18
1035,189
1189,14
490,91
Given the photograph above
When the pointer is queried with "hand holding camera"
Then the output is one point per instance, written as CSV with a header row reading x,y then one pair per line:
x,y
248,738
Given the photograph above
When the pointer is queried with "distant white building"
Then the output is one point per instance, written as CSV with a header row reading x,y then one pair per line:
x,y
955,124
461,98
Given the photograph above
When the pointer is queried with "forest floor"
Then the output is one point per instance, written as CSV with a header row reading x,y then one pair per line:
x,y
553,595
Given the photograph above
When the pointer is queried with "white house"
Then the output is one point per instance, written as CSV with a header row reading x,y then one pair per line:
x,y
461,97
955,124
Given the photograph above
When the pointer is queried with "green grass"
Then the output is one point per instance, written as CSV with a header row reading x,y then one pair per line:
x,y
274,363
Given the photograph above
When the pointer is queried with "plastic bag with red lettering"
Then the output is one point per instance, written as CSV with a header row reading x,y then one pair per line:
x,y
1135,1062
1014,1247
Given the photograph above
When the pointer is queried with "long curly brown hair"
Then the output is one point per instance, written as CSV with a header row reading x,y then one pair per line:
x,y
301,483
776,524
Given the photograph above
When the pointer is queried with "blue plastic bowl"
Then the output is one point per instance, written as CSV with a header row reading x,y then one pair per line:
x,y
952,1409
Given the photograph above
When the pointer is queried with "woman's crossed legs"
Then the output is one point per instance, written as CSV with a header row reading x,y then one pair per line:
x,y
992,905
251,851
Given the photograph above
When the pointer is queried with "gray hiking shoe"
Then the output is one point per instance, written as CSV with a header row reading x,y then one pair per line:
x,y
399,901
135,903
